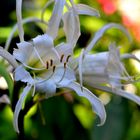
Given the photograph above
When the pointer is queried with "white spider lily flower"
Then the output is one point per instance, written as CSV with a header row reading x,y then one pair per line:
x,y
52,69
103,69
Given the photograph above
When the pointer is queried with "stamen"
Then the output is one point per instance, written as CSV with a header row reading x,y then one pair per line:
x,y
62,56
53,69
68,58
80,69
65,64
47,64
51,62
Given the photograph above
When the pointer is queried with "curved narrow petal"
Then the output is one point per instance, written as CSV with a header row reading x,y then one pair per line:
x,y
101,32
71,26
97,105
129,56
119,92
83,9
22,75
19,19
48,3
7,56
24,21
54,22
19,106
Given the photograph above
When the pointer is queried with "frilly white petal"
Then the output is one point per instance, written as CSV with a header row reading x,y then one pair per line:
x,y
44,41
22,75
100,33
97,105
23,52
19,107
119,92
71,26
48,87
54,22
83,9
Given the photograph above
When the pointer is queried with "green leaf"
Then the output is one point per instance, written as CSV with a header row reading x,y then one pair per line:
x,y
117,122
4,73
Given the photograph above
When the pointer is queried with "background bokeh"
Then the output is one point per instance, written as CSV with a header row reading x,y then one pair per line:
x,y
68,117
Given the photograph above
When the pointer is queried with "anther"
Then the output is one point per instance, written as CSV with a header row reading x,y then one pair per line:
x,y
51,62
47,64
62,56
54,67
68,58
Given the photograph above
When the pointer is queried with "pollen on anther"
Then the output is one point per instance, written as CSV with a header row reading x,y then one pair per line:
x,y
68,58
47,64
54,68
62,56
51,62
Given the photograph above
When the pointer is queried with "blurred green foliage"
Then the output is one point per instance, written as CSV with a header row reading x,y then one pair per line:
x,y
58,118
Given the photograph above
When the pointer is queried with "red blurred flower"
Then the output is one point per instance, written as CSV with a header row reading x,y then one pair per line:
x,y
133,26
108,6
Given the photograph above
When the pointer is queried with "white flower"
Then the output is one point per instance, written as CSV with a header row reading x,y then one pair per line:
x,y
45,67
52,70
105,71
